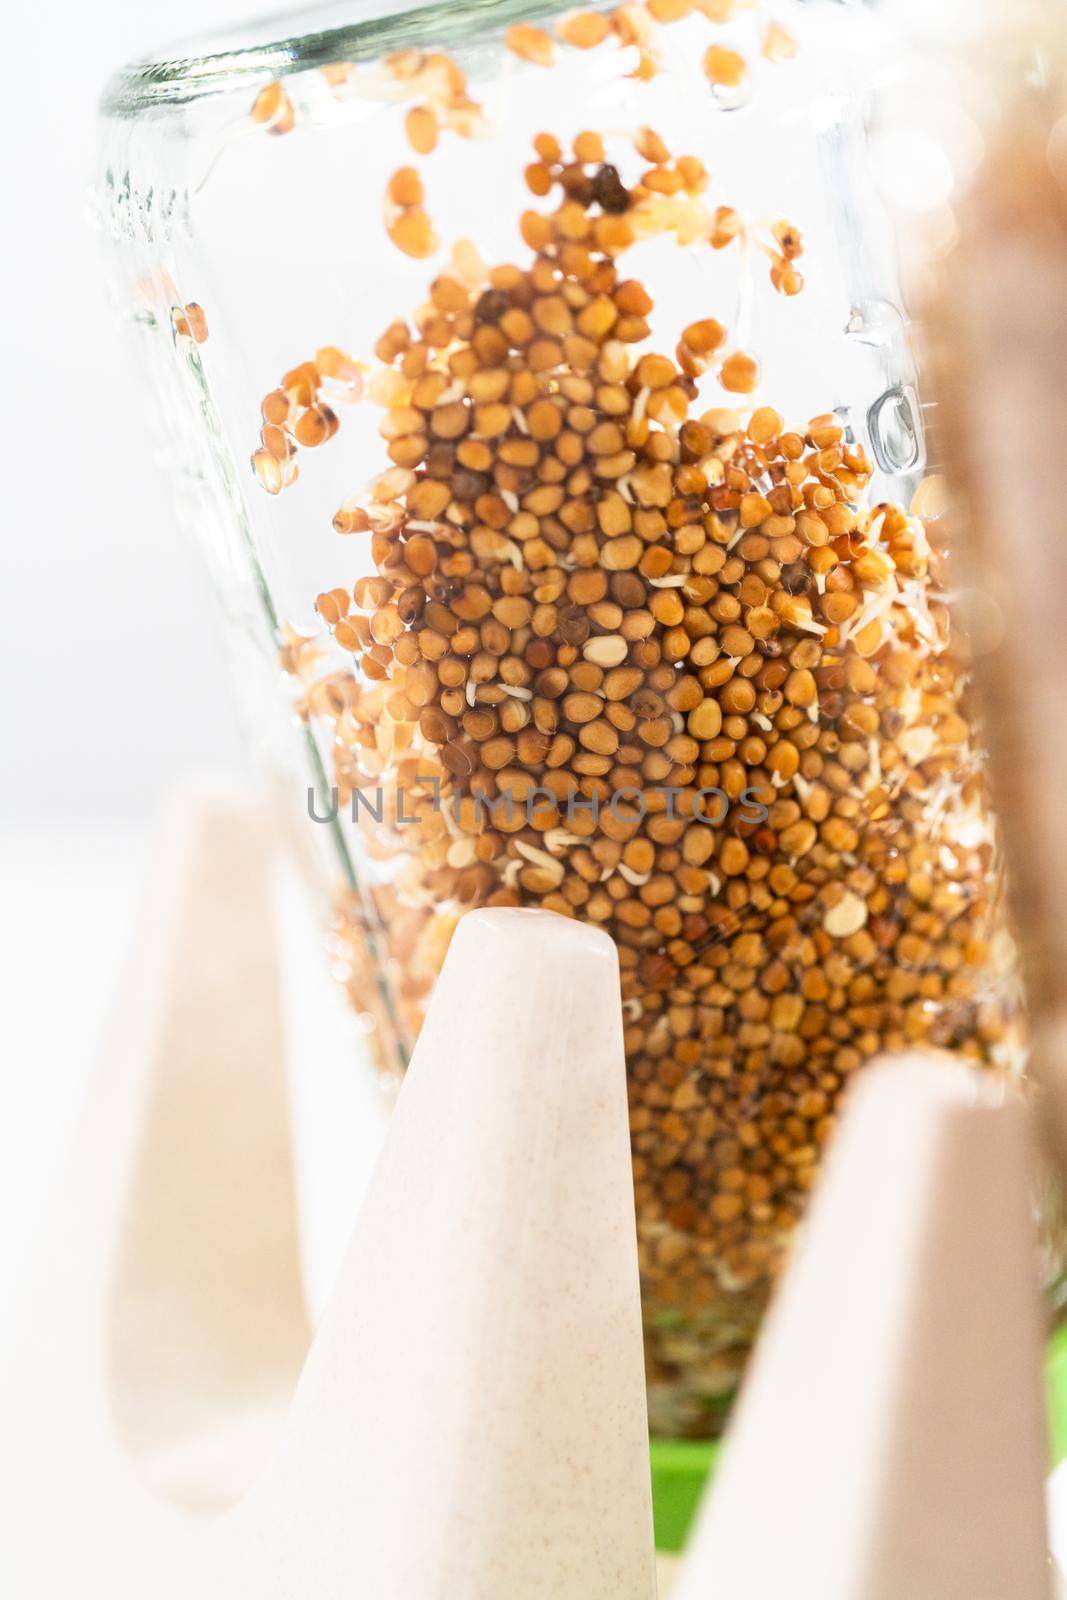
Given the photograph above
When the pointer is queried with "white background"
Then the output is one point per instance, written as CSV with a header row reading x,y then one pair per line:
x,y
111,685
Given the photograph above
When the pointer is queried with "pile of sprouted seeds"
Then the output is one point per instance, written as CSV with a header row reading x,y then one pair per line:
x,y
653,665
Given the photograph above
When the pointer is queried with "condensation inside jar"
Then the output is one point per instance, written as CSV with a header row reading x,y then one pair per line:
x,y
559,374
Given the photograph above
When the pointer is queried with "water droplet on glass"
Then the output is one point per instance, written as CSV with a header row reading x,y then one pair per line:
x,y
896,430
875,322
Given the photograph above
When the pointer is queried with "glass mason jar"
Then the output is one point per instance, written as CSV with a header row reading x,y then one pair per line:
x,y
539,387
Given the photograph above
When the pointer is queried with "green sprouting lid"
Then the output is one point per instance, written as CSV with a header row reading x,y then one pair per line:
x,y
681,1467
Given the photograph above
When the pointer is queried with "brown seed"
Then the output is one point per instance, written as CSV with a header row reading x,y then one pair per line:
x,y
450,421
693,174
632,298
788,238
800,689
420,555
655,372
737,696
784,759
273,106
739,373
778,43
848,916
268,470
492,420
333,606
277,441
825,431
606,650
276,407
599,737
619,555
532,44
621,682
195,322
581,707
727,226
513,611
548,148
610,193
764,425
420,125
588,147
811,528
755,508
667,608
350,518
733,857
544,420
705,720
497,753
786,278
405,188
704,337
583,29
317,424
725,67
539,182
651,147
413,233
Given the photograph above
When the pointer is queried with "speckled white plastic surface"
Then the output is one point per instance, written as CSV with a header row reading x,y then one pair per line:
x,y
470,1421
890,1441
492,1282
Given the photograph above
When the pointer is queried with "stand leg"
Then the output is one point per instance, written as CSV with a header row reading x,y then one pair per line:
x,y
890,1441
470,1420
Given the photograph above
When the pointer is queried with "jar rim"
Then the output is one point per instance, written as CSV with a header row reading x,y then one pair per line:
x,y
281,43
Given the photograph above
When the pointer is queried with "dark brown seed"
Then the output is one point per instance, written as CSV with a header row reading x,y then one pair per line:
x,y
795,577
492,305
609,191
467,486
